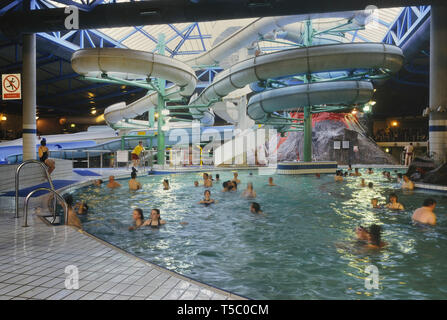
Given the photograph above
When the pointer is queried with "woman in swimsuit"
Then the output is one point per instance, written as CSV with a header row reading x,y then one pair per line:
x,y
207,200
138,218
249,192
155,221
393,204
43,156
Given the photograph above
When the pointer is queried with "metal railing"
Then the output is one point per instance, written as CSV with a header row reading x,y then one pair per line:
x,y
57,196
44,167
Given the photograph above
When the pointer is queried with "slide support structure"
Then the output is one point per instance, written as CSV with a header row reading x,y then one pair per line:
x,y
307,152
160,107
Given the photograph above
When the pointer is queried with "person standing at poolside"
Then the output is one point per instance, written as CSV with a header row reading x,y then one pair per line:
x,y
407,184
135,155
44,153
409,149
425,214
112,183
134,184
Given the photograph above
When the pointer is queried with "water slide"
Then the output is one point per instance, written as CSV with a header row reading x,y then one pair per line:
x,y
131,64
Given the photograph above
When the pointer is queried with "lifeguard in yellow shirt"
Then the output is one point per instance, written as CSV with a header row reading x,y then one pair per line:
x,y
135,156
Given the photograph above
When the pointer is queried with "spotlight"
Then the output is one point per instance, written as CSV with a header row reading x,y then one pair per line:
x,y
72,125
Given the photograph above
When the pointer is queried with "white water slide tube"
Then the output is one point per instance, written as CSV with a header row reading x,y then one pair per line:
x,y
303,61
132,64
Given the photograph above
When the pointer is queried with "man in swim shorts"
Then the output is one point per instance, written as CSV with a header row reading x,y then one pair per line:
x,y
425,214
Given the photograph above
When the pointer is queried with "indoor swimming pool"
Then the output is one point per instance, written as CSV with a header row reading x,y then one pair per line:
x,y
302,248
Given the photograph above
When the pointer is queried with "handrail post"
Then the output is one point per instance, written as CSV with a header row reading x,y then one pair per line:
x,y
57,195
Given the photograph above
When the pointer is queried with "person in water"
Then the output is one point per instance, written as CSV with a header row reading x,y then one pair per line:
x,y
138,219
356,173
349,167
44,153
317,175
371,237
73,219
370,185
407,184
81,207
426,214
375,203
134,184
235,178
207,182
370,171
207,198
388,175
249,192
255,208
112,183
363,183
166,184
225,186
271,184
393,203
217,177
155,221
98,182
399,178
196,183
338,176
232,186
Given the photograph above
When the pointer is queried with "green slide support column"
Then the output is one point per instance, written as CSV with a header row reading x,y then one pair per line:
x,y
307,156
161,105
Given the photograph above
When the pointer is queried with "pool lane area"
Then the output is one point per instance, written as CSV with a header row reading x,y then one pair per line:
x,y
34,261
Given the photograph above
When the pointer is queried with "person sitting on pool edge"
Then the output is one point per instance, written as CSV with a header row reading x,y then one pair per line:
x,y
73,219
155,221
375,203
393,203
44,154
134,184
356,173
97,182
112,183
138,218
249,192
207,200
371,236
255,208
425,214
407,184
271,184
166,184
235,178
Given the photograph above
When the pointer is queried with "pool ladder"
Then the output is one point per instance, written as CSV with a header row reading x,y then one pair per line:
x,y
51,189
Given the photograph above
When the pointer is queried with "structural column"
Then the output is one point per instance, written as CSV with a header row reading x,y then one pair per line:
x,y
29,96
161,106
307,152
438,82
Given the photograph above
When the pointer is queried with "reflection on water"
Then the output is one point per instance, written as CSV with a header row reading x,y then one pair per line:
x,y
303,248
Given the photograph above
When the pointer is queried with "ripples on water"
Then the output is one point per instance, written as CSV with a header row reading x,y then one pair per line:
x,y
301,249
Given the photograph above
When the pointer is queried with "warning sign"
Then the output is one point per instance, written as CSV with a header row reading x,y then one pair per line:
x,y
11,86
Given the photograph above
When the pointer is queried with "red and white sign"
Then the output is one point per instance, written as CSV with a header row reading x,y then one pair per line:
x,y
11,86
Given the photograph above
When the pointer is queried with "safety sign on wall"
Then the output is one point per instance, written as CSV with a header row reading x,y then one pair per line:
x,y
11,86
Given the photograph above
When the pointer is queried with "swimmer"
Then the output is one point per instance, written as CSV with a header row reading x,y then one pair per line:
x,y
97,182
138,218
370,185
363,183
249,192
112,183
338,176
393,203
81,207
425,214
196,183
155,221
370,171
232,186
375,203
317,175
255,208
399,178
372,236
207,200
134,184
225,186
166,184
344,174
388,175
207,182
356,173
73,219
235,179
349,167
271,184
407,184
217,177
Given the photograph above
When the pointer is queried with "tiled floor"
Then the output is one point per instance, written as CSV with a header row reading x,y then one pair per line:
x,y
33,262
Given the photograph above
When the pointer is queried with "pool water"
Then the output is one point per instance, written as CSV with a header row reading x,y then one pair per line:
x,y
303,248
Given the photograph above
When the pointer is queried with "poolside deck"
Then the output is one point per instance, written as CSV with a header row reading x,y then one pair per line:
x,y
34,261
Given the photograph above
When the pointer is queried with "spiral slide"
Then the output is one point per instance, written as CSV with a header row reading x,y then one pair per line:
x,y
131,64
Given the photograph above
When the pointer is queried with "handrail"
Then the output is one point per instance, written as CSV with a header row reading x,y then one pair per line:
x,y
44,167
54,214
